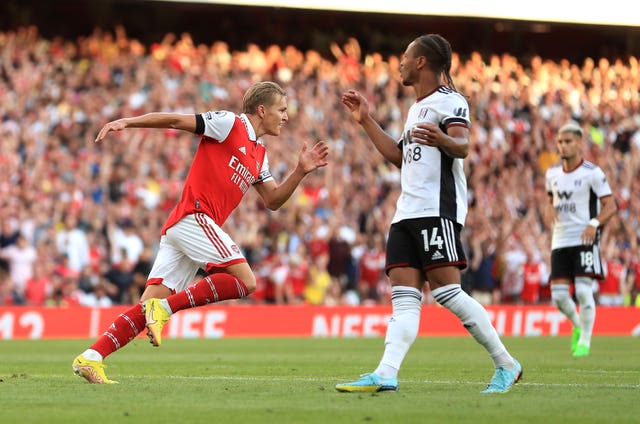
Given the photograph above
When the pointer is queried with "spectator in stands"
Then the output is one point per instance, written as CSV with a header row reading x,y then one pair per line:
x,y
140,272
631,292
611,288
71,241
39,287
64,292
9,232
513,259
371,272
125,242
98,297
76,83
533,273
7,296
121,276
298,273
22,258
278,290
484,273
319,280
341,267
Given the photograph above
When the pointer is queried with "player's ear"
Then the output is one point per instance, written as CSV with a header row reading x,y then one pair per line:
x,y
260,111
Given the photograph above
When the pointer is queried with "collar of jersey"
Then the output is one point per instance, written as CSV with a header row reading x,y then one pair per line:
x,y
249,127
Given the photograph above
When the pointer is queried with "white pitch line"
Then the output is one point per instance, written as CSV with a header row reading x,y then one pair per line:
x,y
441,382
333,380
603,371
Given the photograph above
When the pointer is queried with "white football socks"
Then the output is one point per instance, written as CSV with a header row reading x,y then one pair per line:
x,y
584,294
92,355
165,304
402,330
476,320
562,298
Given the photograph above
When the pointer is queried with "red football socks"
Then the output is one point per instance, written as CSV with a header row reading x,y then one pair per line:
x,y
213,288
124,329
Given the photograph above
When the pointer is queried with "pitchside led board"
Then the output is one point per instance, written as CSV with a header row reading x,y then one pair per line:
x,y
216,321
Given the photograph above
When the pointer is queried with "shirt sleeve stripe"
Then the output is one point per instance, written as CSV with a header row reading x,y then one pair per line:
x,y
199,125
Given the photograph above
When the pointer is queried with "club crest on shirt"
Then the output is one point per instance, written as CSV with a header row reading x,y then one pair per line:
x,y
423,112
209,115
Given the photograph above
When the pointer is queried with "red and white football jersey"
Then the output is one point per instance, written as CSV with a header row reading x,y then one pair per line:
x,y
229,159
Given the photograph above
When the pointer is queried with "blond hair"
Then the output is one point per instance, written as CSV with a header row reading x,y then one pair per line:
x,y
262,93
572,128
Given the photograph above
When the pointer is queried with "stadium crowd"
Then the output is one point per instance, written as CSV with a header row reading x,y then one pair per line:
x,y
79,221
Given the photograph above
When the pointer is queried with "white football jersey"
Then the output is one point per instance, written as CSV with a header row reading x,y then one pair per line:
x,y
576,197
433,183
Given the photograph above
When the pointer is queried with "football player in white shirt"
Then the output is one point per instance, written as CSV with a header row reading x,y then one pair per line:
x,y
580,203
424,238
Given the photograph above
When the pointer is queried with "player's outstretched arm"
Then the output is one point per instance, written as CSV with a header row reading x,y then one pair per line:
x,y
384,143
274,195
179,121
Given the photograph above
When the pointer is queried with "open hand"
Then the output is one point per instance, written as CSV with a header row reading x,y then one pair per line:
x,y
315,157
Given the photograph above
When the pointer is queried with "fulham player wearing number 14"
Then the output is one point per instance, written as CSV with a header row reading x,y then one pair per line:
x,y
424,239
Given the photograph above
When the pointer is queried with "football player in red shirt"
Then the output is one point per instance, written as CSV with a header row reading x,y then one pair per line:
x,y
230,159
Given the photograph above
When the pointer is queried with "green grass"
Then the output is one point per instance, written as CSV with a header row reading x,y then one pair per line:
x,y
291,381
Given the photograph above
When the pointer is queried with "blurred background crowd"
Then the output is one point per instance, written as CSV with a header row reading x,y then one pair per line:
x,y
80,222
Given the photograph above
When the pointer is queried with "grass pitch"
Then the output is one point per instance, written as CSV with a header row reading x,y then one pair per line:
x,y
292,380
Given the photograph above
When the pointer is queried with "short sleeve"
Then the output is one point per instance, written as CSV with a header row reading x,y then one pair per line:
x,y
265,173
600,184
218,124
